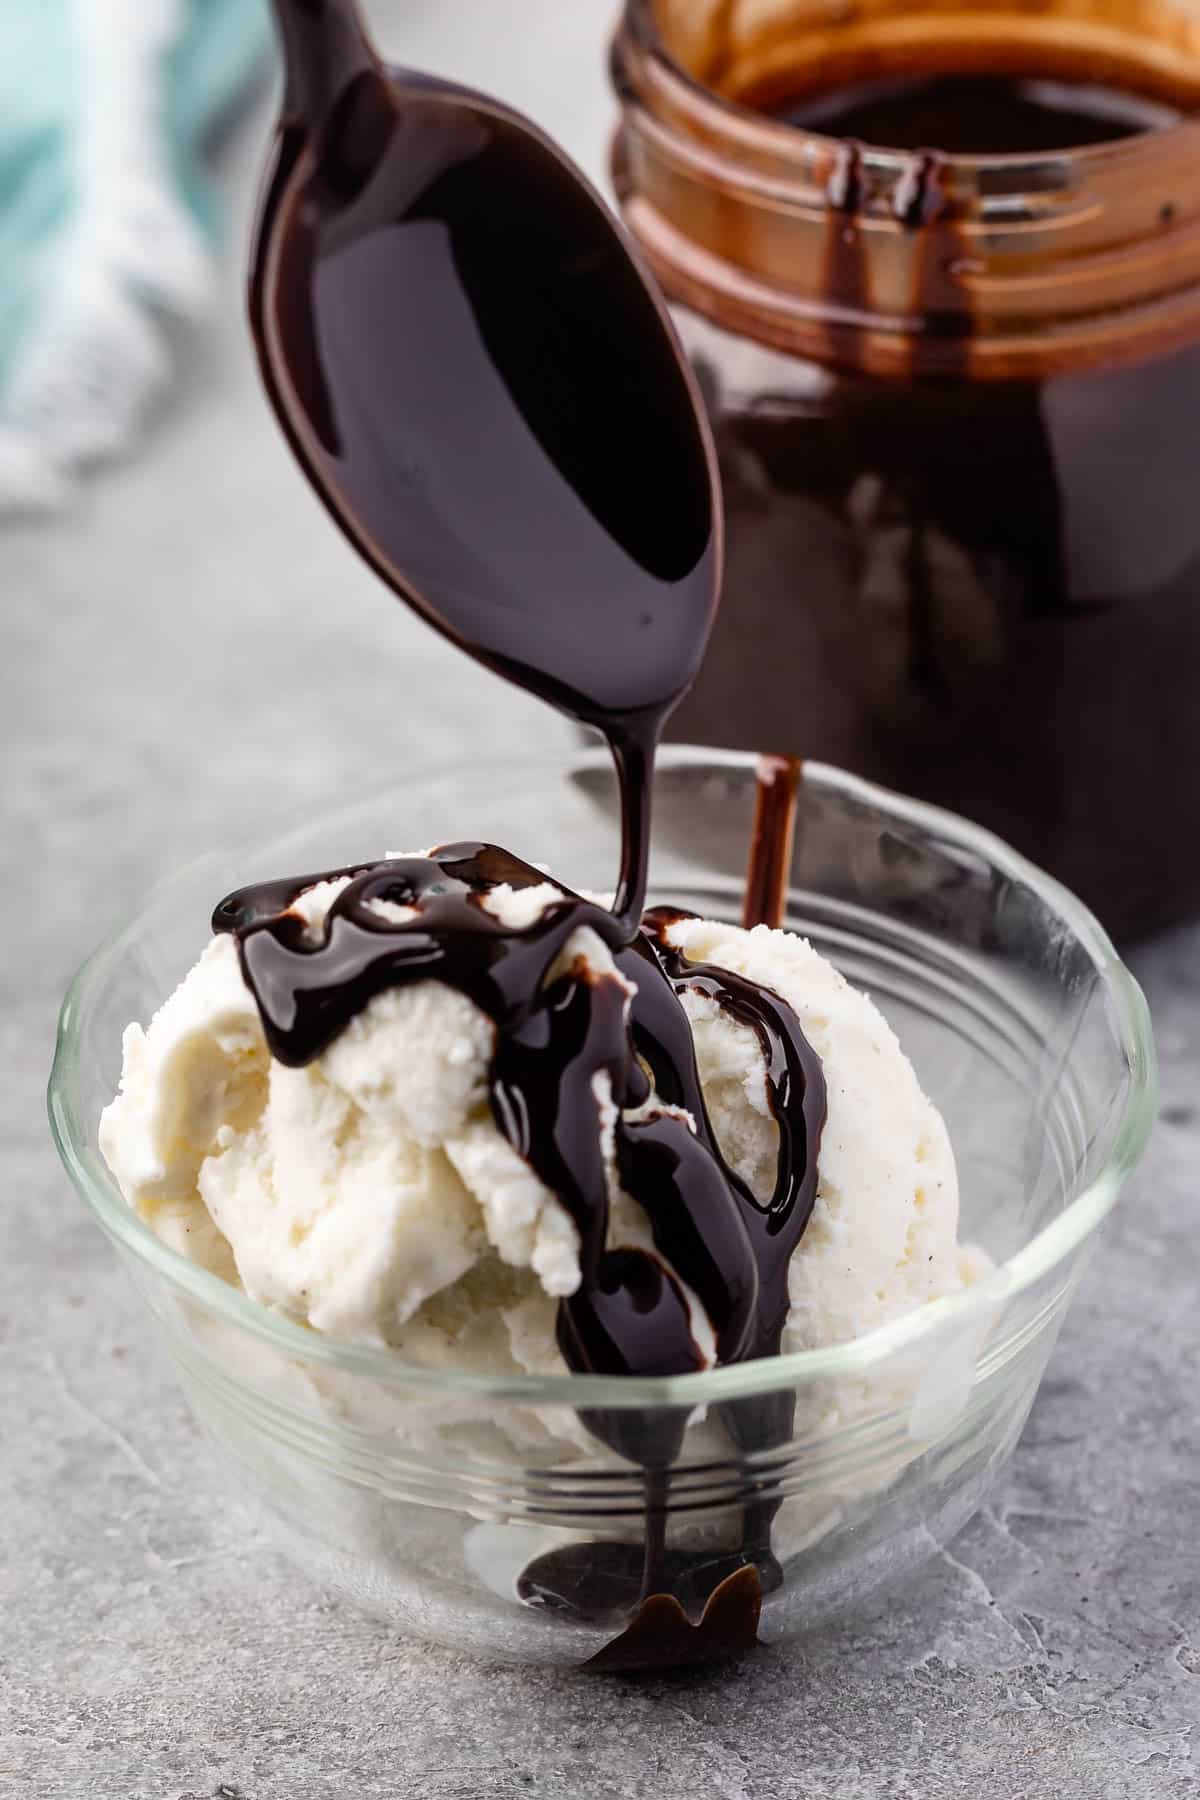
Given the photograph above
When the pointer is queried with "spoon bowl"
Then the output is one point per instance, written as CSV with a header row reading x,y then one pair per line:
x,y
481,382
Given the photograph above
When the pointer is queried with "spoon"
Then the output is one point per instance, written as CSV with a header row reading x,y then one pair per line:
x,y
484,388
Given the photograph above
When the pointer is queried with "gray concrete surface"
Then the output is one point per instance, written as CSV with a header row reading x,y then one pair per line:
x,y
194,653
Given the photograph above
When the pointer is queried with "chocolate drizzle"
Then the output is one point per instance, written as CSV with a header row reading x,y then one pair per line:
x,y
571,1041
488,396
847,282
567,1039
777,794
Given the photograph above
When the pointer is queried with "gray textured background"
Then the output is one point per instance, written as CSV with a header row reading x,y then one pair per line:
x,y
194,653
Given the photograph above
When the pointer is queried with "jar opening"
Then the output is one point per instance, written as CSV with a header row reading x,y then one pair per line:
x,y
1081,72
953,188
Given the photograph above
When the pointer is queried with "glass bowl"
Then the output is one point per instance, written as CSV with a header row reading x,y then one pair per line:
x,y
422,1495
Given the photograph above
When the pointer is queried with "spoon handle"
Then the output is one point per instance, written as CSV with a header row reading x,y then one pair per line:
x,y
325,46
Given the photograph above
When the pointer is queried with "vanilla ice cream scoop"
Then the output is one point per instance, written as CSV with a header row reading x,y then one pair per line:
x,y
370,1192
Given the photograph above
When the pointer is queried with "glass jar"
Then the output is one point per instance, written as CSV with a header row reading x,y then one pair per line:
x,y
957,402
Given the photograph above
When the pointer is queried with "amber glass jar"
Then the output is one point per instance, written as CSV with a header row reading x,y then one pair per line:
x,y
956,391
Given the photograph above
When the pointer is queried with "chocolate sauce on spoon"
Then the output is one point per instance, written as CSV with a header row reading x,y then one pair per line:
x,y
487,395
486,392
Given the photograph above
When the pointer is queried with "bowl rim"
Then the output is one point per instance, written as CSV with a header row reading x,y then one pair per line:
x,y
969,1312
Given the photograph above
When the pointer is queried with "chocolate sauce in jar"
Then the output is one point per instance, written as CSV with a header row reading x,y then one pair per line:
x,y
970,114
940,277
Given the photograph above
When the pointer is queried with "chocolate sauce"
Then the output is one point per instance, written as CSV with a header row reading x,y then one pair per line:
x,y
845,260
973,115
981,590
777,794
605,1583
487,395
663,1637
961,115
486,392
562,1034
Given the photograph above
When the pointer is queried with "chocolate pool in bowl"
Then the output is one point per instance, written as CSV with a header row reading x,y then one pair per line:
x,y
938,269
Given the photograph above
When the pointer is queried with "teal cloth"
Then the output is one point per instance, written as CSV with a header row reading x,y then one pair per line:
x,y
222,45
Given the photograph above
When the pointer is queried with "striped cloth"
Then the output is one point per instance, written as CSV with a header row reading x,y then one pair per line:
x,y
108,227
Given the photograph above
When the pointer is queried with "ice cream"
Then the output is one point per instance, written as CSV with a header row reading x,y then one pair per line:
x,y
370,1193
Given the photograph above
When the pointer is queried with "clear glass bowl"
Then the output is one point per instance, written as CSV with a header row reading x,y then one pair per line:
x,y
421,1495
